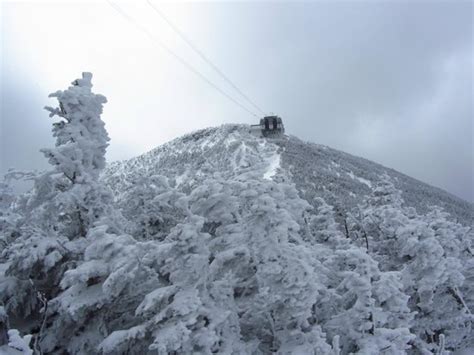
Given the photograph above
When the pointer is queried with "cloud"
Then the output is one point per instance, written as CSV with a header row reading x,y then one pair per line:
x,y
389,81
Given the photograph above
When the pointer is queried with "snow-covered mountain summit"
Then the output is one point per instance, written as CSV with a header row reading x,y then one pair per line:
x,y
233,152
221,242
321,251
228,152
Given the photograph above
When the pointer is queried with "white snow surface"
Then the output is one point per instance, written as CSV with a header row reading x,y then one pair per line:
x,y
358,178
272,167
17,345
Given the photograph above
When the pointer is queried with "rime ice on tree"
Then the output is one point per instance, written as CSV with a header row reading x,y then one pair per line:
x,y
81,138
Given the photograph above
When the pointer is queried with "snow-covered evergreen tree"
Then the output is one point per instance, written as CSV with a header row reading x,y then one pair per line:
x,y
9,218
323,227
232,279
370,305
81,138
150,207
152,296
63,205
363,306
101,293
79,156
286,283
426,250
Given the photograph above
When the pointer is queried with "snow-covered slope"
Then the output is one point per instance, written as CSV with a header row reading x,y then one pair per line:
x,y
222,242
231,151
226,152
325,252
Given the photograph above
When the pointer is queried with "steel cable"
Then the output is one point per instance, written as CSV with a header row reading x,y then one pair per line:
x,y
203,56
160,44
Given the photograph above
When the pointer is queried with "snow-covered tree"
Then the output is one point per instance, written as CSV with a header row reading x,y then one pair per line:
x,y
9,218
155,295
234,277
81,138
362,305
194,313
426,250
63,205
370,309
150,207
101,293
323,227
284,284
219,260
79,156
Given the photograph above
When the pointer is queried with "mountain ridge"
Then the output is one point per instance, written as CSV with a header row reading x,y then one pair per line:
x,y
343,178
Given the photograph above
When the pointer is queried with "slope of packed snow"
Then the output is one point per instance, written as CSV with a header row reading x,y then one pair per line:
x,y
341,179
273,167
227,151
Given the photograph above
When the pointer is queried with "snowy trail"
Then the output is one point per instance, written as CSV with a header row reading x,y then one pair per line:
x,y
271,159
263,158
272,167
230,150
250,156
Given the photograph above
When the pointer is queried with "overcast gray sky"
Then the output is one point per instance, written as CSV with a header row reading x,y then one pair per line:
x,y
388,81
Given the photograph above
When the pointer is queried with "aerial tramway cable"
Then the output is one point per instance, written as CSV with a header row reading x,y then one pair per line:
x,y
204,57
191,68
